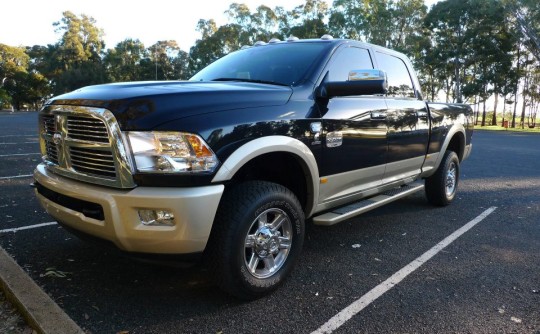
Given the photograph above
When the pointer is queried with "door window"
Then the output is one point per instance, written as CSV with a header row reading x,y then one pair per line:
x,y
399,80
346,60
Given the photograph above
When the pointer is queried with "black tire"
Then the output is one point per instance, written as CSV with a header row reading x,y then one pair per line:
x,y
441,187
251,258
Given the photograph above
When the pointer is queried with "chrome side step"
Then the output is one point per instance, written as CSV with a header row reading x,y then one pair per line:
x,y
340,214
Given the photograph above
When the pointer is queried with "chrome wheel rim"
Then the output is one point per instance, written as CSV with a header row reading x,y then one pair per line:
x,y
268,243
451,179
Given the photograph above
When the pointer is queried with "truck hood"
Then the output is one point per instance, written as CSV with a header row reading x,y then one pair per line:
x,y
145,105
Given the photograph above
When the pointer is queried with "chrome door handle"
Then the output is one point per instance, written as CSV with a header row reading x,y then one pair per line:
x,y
378,115
422,114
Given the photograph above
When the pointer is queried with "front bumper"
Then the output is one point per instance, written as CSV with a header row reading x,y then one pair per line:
x,y
193,208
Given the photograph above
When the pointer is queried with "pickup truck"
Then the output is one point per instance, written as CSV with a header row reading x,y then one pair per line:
x,y
231,163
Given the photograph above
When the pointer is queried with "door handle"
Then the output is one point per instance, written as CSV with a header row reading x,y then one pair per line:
x,y
378,115
422,114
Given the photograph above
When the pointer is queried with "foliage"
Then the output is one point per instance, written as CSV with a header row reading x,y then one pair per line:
x,y
468,50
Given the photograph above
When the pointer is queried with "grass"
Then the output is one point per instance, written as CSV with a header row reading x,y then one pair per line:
x,y
500,128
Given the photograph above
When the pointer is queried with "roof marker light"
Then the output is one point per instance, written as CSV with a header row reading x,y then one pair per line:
x,y
274,40
327,37
259,43
292,38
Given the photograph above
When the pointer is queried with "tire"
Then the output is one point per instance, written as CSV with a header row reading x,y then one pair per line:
x,y
441,187
256,239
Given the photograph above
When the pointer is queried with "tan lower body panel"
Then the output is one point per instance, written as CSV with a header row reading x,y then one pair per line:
x,y
193,209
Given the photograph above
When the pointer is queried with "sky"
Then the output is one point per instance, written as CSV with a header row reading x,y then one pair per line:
x,y
30,22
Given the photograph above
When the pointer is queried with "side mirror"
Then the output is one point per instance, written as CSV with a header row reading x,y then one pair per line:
x,y
360,82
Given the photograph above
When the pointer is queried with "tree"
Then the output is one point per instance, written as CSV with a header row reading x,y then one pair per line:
x,y
123,63
215,43
389,23
526,14
165,62
449,21
13,69
306,21
78,53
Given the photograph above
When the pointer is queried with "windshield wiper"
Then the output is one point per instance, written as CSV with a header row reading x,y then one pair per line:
x,y
251,80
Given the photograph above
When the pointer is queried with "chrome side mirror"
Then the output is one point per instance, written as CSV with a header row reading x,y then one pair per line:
x,y
361,75
360,82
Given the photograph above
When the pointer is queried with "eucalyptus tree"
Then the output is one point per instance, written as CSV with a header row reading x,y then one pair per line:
x,y
489,38
13,70
163,61
123,62
214,43
389,23
526,15
449,22
306,20
78,53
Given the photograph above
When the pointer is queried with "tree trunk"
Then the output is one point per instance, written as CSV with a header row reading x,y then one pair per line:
x,y
494,119
504,110
516,88
484,114
525,89
476,111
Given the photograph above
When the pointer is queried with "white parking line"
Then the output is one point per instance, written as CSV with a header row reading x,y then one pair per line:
x,y
4,136
339,319
14,155
26,142
27,227
14,177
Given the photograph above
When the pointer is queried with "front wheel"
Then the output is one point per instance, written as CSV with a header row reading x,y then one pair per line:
x,y
257,236
442,186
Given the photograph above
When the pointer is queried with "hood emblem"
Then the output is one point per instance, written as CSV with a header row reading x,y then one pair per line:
x,y
57,138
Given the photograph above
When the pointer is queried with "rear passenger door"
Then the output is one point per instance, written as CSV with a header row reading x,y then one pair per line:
x,y
407,120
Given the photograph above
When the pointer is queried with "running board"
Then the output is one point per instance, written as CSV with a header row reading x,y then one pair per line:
x,y
340,214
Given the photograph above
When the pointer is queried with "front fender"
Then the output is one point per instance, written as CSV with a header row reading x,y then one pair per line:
x,y
270,144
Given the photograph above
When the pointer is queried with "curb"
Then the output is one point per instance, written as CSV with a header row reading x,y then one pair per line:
x,y
39,310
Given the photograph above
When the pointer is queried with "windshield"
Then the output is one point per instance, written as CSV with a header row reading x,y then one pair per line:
x,y
282,64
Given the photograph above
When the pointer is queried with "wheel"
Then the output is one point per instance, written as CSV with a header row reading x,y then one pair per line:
x,y
257,236
442,186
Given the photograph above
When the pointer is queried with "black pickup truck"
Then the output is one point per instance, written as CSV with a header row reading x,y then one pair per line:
x,y
231,163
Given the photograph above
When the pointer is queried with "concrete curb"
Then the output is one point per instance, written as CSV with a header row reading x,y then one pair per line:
x,y
41,312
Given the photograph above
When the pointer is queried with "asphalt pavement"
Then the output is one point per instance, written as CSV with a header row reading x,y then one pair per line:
x,y
487,280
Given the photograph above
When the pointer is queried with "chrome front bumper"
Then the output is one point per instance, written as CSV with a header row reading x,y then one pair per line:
x,y
193,209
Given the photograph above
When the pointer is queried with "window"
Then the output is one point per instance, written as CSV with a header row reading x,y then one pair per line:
x,y
399,80
346,60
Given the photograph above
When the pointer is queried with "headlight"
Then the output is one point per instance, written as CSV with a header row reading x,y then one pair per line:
x,y
171,152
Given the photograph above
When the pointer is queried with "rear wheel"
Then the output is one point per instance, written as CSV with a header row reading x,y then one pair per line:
x,y
442,186
257,236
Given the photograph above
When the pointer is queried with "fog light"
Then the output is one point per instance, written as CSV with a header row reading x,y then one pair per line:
x,y
156,217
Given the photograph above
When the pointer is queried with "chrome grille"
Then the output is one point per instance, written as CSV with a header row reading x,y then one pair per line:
x,y
85,143
88,129
52,152
49,128
90,161
49,124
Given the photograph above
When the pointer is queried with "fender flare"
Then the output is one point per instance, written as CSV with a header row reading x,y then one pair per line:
x,y
455,129
270,144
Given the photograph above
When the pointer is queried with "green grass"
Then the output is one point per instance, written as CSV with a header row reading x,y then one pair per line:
x,y
500,128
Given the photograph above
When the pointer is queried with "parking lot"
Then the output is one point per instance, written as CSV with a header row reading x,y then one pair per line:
x,y
484,279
